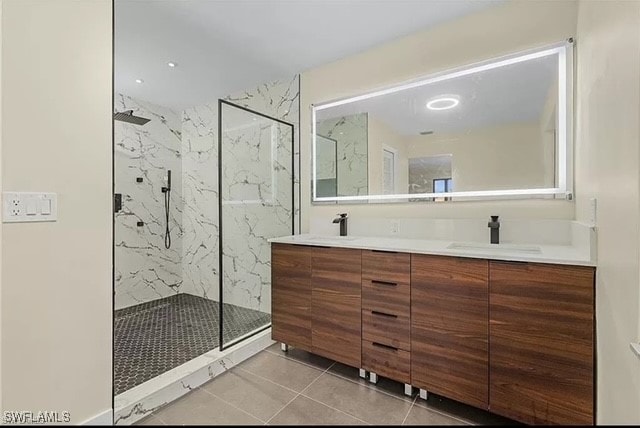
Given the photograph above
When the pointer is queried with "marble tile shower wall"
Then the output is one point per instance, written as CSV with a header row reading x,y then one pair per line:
x,y
145,269
256,205
248,282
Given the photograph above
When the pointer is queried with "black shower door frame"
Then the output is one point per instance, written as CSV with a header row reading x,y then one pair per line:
x,y
221,103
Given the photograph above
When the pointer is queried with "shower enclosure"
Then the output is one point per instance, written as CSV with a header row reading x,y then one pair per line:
x,y
211,288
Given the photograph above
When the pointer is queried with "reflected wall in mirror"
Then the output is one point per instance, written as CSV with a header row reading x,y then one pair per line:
x,y
496,129
431,174
350,135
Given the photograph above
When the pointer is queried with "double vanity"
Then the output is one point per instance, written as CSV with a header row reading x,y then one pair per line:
x,y
505,328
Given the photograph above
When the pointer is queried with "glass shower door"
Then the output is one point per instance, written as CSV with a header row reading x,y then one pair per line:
x,y
256,203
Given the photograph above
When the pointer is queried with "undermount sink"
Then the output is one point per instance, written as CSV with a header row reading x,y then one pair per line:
x,y
528,249
330,238
319,238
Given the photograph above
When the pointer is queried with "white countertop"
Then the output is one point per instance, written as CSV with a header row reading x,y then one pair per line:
x,y
558,254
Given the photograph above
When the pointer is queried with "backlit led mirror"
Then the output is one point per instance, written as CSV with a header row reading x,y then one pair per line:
x,y
495,129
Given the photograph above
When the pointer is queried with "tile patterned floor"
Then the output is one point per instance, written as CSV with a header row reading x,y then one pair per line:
x,y
298,388
154,337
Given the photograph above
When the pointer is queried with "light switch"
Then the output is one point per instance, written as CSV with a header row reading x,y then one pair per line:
x,y
26,207
45,206
32,207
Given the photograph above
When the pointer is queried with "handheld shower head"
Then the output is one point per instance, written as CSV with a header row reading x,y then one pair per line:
x,y
166,189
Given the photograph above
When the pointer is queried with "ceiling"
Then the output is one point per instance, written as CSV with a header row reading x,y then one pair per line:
x,y
509,94
223,46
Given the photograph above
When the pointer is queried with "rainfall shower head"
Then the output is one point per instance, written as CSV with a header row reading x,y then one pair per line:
x,y
127,116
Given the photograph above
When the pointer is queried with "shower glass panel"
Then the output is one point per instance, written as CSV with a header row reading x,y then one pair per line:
x,y
256,203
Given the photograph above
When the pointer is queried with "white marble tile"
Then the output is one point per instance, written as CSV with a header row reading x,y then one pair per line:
x,y
200,201
256,192
145,269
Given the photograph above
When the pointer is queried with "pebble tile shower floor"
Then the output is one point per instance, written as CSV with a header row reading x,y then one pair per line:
x,y
157,336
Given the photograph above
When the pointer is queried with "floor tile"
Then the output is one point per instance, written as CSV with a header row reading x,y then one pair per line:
x,y
150,420
302,356
154,337
364,403
384,385
254,395
462,411
304,411
422,416
201,408
282,371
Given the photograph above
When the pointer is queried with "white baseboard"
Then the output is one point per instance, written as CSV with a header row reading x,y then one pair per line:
x,y
104,418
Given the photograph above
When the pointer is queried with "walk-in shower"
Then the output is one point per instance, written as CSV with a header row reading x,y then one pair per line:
x,y
198,204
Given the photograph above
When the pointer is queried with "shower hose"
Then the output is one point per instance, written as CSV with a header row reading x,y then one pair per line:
x,y
167,233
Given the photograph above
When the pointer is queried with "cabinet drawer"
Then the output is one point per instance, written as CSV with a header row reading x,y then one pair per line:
x,y
388,329
386,266
386,296
386,361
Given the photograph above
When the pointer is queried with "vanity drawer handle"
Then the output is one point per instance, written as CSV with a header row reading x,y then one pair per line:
x,y
380,345
384,251
382,314
512,262
390,284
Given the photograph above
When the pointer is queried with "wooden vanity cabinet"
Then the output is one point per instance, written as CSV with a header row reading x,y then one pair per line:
x,y
516,338
542,342
291,294
335,304
316,300
449,327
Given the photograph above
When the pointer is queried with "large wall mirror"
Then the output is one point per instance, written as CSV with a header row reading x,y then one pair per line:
x,y
496,129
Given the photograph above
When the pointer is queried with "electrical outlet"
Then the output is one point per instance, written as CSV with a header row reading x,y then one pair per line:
x,y
15,207
19,207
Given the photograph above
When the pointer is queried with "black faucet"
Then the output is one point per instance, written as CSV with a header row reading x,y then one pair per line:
x,y
494,224
343,223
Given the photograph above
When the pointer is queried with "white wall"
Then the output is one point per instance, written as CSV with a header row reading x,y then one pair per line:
x,y
508,28
607,168
1,7
56,291
502,157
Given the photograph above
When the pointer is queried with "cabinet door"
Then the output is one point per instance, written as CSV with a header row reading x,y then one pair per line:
x,y
291,295
449,327
336,304
541,335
